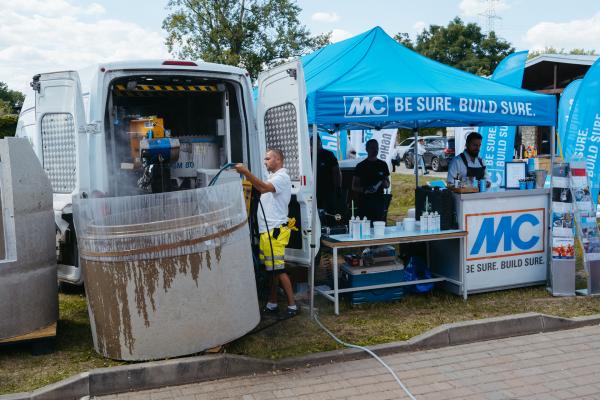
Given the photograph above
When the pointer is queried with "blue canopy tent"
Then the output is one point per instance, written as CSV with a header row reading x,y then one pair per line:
x,y
372,81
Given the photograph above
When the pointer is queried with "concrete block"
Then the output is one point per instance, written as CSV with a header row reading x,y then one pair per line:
x,y
493,328
111,380
156,374
176,372
432,339
241,365
74,387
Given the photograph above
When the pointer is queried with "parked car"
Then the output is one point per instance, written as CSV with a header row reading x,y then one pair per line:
x,y
439,151
402,148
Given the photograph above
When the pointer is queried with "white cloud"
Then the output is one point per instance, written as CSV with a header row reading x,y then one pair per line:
x,y
419,26
472,8
338,35
50,7
323,16
38,36
584,33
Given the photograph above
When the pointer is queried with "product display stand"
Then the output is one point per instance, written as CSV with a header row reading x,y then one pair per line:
x,y
562,234
587,226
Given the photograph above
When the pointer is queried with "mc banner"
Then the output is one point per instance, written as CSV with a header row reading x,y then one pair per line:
x,y
505,247
582,131
564,108
497,146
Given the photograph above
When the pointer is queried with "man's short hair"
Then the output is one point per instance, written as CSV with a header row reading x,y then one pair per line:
x,y
371,142
278,152
473,136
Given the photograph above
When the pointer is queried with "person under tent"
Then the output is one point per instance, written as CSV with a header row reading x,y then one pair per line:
x,y
468,164
371,177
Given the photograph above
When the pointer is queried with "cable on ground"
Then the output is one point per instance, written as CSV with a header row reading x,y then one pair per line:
x,y
375,356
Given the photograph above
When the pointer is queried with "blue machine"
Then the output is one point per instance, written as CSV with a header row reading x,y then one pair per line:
x,y
366,276
161,149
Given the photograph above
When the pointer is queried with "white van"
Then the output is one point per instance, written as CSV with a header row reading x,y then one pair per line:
x,y
134,127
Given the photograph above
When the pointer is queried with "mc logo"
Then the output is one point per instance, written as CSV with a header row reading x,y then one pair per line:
x,y
505,234
364,106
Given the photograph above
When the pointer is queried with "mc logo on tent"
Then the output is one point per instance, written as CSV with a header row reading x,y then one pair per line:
x,y
505,233
366,106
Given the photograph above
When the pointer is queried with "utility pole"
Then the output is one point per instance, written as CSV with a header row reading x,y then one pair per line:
x,y
490,15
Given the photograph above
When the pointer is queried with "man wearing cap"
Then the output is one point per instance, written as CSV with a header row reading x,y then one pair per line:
x,y
468,164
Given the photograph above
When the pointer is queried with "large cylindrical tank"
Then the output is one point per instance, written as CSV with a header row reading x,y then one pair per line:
x,y
28,285
167,274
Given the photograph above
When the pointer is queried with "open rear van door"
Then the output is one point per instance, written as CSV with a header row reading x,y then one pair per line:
x,y
61,122
282,124
61,131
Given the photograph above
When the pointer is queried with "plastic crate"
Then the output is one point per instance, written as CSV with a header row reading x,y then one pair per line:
x,y
367,276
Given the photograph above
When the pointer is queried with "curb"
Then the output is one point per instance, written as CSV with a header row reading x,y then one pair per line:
x,y
156,374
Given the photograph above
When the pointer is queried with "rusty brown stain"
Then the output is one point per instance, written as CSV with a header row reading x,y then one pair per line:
x,y
218,254
207,254
195,266
107,289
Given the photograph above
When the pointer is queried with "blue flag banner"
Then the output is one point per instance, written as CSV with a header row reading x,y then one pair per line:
x,y
582,132
564,108
497,146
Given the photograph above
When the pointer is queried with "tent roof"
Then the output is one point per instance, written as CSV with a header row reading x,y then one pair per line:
x,y
371,80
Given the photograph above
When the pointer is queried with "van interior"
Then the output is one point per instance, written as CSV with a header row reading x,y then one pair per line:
x,y
168,133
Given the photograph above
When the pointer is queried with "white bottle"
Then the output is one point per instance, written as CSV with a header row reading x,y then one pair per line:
x,y
355,228
366,227
436,221
430,223
424,225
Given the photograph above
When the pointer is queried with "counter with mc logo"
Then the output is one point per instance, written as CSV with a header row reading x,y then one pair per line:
x,y
507,238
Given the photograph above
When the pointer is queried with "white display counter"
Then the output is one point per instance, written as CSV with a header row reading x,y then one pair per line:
x,y
507,238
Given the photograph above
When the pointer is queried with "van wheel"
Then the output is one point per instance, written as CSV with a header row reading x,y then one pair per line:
x,y
408,164
435,164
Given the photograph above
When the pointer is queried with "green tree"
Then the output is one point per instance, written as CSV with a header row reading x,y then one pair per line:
x,y
460,45
10,100
553,50
253,34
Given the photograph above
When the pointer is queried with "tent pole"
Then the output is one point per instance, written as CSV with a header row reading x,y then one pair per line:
x,y
313,234
416,157
552,146
339,144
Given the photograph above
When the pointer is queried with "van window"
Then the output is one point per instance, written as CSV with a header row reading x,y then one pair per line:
x,y
406,142
281,133
59,151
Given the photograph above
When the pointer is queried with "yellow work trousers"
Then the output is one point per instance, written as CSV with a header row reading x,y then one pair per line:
x,y
274,259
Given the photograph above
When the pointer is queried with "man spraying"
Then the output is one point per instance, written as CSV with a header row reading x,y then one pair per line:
x,y
273,226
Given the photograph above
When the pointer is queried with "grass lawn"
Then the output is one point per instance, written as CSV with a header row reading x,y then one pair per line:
x,y
365,325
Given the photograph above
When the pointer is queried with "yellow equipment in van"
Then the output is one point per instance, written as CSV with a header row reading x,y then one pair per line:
x,y
138,129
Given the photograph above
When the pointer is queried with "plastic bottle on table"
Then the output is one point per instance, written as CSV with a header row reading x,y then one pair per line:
x,y
424,224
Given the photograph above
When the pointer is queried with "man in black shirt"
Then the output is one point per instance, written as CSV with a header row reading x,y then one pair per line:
x,y
329,179
371,177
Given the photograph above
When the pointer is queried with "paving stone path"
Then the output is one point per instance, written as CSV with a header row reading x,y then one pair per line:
x,y
548,366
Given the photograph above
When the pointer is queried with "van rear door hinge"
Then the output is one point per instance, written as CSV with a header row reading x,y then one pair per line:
x,y
35,83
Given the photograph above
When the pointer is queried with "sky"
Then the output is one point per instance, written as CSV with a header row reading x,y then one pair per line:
x,y
49,35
